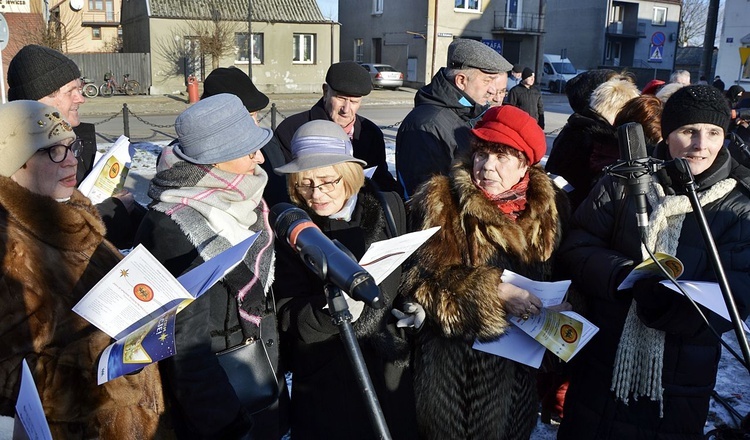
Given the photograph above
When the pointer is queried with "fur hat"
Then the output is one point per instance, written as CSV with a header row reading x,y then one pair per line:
x,y
472,54
35,125
580,87
694,105
317,144
610,96
349,78
513,127
218,129
234,81
38,71
527,72
668,90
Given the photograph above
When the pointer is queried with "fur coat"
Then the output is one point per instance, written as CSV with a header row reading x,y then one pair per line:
x,y
461,392
52,253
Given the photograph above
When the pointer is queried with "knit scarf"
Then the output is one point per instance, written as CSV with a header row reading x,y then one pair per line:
x,y
216,210
640,353
511,202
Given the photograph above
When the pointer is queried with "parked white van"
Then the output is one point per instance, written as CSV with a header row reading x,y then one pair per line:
x,y
556,72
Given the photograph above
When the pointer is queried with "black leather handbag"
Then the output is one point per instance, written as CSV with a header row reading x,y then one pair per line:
x,y
252,367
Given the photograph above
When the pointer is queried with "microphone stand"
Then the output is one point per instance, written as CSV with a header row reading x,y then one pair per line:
x,y
341,317
688,181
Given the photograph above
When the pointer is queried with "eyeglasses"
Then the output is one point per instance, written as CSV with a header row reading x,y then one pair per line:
x,y
324,187
58,152
502,92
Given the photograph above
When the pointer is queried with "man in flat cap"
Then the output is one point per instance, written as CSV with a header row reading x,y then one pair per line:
x,y
38,73
446,109
346,83
514,76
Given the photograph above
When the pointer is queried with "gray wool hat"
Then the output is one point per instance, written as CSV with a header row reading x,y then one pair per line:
x,y
218,129
37,71
318,144
35,125
465,54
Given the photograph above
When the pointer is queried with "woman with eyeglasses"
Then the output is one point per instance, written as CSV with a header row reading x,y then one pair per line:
x,y
326,181
207,196
53,250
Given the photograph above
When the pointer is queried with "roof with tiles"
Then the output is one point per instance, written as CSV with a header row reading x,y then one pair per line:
x,y
271,11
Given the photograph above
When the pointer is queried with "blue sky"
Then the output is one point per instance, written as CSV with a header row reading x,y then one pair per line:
x,y
329,8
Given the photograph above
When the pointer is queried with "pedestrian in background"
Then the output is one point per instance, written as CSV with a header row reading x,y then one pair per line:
x,y
527,97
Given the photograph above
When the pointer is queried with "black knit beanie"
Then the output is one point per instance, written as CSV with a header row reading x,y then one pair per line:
x,y
37,71
700,104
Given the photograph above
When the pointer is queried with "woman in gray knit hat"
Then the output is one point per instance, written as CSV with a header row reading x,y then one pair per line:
x,y
649,372
207,197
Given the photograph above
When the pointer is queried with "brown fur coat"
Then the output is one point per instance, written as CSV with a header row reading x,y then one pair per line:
x,y
52,253
461,392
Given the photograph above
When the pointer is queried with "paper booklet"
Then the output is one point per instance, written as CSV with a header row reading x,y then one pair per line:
x,y
30,421
706,293
108,175
562,333
137,301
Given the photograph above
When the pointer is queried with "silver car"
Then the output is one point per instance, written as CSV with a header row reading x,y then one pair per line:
x,y
384,76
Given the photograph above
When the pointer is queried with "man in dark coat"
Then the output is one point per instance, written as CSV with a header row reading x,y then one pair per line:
x,y
446,109
527,97
346,84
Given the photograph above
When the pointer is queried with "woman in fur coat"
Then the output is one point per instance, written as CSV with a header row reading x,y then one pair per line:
x,y
53,251
497,211
328,182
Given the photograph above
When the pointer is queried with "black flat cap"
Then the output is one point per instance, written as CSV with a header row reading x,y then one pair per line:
x,y
517,68
471,54
349,78
235,82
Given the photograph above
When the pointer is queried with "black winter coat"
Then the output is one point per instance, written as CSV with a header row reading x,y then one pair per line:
x,y
602,245
327,401
572,151
528,99
434,132
203,402
368,143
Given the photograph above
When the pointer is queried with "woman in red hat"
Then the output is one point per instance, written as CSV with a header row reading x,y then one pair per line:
x,y
497,210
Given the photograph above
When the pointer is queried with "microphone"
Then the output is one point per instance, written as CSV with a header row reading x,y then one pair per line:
x,y
634,167
322,256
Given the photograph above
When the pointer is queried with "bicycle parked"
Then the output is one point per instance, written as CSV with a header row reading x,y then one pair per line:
x,y
128,86
89,88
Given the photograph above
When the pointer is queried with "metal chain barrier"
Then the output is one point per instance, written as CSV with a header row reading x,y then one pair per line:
x,y
149,123
108,119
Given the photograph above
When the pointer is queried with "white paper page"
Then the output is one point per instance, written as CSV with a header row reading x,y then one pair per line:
x,y
515,345
138,286
109,172
369,172
383,257
29,407
550,293
707,294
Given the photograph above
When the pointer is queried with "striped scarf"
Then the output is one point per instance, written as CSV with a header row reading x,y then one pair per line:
x,y
216,210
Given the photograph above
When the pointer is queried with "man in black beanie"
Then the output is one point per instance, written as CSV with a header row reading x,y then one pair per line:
x,y
346,84
38,73
527,97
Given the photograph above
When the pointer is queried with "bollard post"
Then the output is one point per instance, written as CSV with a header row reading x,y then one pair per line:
x,y
273,116
125,122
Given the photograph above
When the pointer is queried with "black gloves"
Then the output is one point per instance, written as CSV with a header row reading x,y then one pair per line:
x,y
649,294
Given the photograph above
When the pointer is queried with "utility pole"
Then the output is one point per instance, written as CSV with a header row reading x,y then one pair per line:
x,y
250,39
708,40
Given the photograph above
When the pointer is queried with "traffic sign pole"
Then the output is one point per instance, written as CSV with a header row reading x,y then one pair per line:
x,y
4,35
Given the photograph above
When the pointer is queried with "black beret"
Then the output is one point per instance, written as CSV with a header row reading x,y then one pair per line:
x,y
235,82
349,78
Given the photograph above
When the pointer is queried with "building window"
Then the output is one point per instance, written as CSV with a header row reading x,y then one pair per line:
x,y
304,49
660,16
377,6
96,33
96,5
468,5
359,50
256,49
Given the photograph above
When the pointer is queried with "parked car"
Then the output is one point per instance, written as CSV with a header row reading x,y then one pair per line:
x,y
384,76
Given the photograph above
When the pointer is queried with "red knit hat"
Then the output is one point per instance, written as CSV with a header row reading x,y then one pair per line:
x,y
513,127
652,87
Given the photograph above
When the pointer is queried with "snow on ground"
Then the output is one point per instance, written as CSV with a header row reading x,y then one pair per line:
x,y
733,380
